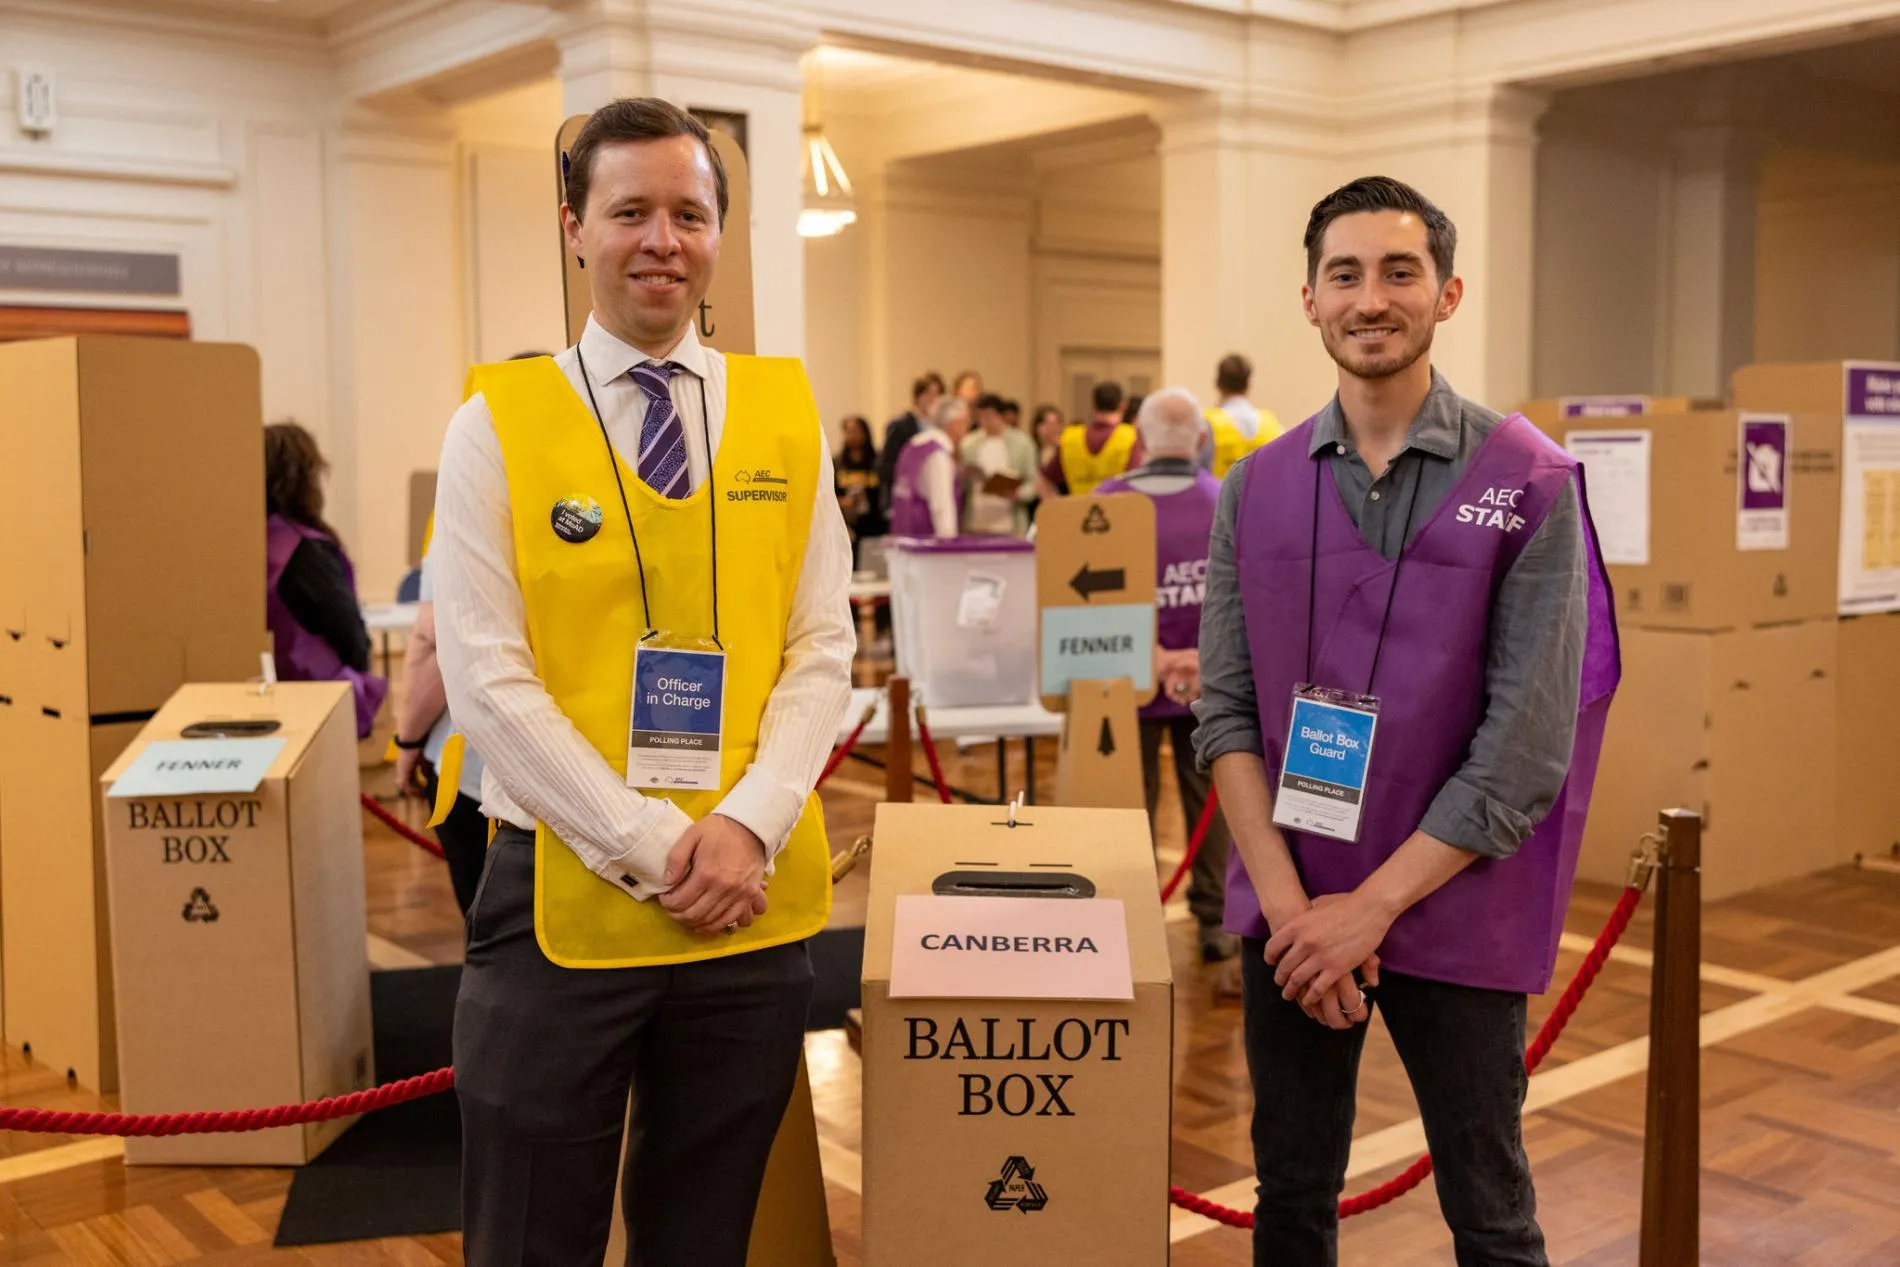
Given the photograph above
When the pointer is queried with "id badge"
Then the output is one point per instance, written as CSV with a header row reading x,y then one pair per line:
x,y
679,713
1328,753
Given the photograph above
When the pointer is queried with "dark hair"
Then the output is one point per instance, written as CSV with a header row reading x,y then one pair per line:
x,y
1012,407
633,119
1233,375
870,445
293,476
1131,408
992,401
529,356
1381,193
924,382
1036,418
1107,397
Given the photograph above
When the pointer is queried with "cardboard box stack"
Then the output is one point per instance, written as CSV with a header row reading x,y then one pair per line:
x,y
1016,1080
1554,413
121,577
238,921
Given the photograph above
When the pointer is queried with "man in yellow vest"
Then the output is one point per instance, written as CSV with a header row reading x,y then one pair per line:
x,y
643,625
1091,452
1235,427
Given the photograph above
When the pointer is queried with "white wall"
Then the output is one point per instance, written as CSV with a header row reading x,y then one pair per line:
x,y
1827,260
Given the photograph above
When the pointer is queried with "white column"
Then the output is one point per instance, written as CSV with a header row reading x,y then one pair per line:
x,y
1473,152
1711,331
1238,182
727,56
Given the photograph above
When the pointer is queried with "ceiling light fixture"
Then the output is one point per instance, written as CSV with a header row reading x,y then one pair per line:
x,y
829,202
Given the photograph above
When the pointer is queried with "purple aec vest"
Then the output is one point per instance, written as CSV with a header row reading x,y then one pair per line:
x,y
1495,925
910,509
1183,523
301,655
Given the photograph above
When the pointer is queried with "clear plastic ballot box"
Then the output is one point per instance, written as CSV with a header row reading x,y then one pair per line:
x,y
1018,1040
963,619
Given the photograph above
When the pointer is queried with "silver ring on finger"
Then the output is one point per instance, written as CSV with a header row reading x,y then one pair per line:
x,y
1360,1005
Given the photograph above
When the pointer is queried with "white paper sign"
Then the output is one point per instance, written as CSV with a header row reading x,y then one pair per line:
x,y
1010,948
981,599
187,767
1616,470
1870,490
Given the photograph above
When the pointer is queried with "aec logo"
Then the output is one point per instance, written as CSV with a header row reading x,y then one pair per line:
x,y
1014,1189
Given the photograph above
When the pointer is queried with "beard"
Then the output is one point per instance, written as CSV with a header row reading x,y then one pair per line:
x,y
1361,363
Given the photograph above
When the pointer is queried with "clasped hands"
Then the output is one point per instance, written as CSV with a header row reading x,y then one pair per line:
x,y
715,877
1314,955
1179,673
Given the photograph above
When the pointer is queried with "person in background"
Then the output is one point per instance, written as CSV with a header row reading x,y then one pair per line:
x,y
1089,453
310,603
1013,415
1001,465
1184,498
925,392
969,387
422,711
927,491
1235,427
855,477
1131,409
1047,425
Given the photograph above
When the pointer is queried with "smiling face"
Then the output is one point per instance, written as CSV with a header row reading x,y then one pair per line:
x,y
1375,296
650,237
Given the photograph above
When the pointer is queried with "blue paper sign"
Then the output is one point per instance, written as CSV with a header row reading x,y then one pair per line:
x,y
1098,643
187,767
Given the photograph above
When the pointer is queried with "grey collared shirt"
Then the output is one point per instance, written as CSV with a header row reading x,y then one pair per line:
x,y
1521,752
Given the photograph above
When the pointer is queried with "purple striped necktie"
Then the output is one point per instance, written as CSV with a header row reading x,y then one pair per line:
x,y
662,439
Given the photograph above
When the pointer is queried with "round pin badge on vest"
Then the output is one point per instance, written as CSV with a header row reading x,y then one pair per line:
x,y
576,519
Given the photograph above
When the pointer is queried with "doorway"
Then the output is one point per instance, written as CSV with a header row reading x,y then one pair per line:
x,y
1136,369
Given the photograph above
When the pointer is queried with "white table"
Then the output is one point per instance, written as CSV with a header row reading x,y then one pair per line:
x,y
1001,723
383,619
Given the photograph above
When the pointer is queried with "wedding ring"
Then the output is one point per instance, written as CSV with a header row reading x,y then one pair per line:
x,y
1361,1003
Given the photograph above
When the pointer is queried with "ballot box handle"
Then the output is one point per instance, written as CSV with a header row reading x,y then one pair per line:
x,y
1047,884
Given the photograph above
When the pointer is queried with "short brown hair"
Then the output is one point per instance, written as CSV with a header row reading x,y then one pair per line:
x,y
1382,193
293,476
633,119
1233,374
924,382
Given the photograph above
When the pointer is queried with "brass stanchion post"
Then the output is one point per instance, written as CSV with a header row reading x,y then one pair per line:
x,y
898,784
1672,1136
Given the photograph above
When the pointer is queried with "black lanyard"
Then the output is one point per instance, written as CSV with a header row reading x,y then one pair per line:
x,y
712,500
1312,573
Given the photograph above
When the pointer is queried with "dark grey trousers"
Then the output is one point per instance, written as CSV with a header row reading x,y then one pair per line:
x,y
1207,878
544,1059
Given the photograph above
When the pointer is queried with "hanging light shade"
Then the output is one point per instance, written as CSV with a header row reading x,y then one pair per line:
x,y
828,205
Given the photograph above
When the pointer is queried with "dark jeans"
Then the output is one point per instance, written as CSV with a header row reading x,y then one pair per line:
x,y
1207,878
1463,1050
463,836
544,1057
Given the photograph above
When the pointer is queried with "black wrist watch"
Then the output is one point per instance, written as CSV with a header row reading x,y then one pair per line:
x,y
412,745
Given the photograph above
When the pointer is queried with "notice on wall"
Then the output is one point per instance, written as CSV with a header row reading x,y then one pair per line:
x,y
1602,406
1762,479
1616,469
1870,489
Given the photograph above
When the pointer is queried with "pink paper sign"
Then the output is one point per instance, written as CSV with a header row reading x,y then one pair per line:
x,y
1010,948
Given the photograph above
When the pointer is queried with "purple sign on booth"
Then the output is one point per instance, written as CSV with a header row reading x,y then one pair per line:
x,y
1603,406
1873,391
1765,464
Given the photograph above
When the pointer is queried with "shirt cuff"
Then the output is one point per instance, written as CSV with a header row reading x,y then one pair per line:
x,y
1464,817
640,869
1215,738
765,807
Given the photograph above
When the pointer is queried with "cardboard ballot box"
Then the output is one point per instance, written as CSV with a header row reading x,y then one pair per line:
x,y
234,855
1018,1037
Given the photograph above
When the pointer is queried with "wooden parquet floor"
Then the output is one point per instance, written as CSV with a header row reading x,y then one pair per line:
x,y
1800,1122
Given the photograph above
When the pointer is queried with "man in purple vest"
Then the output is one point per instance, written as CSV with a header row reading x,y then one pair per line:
x,y
1172,428
1407,655
927,492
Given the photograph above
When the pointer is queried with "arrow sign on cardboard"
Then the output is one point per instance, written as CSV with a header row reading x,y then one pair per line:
x,y
1095,586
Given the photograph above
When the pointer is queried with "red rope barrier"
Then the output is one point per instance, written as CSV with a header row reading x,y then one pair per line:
x,y
1533,1056
1195,841
930,755
401,828
60,1122
850,742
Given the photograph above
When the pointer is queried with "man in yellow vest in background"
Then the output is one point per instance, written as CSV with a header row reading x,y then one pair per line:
x,y
1236,428
643,625
1091,452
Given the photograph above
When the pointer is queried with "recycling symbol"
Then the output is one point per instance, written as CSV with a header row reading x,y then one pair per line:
x,y
1095,520
199,909
1013,1189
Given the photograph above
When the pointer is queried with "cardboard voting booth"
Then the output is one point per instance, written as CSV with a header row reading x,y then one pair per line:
x,y
1018,1036
234,851
1553,414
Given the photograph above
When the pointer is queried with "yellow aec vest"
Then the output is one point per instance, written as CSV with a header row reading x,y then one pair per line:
x,y
584,621
1231,443
1084,470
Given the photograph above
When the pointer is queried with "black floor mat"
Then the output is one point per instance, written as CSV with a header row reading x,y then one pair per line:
x,y
398,1171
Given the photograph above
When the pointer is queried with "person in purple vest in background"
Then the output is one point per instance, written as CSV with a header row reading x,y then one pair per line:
x,y
1184,495
1407,655
310,602
927,490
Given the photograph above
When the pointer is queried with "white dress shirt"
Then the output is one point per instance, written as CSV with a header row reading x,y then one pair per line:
x,y
1246,417
538,766
937,478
